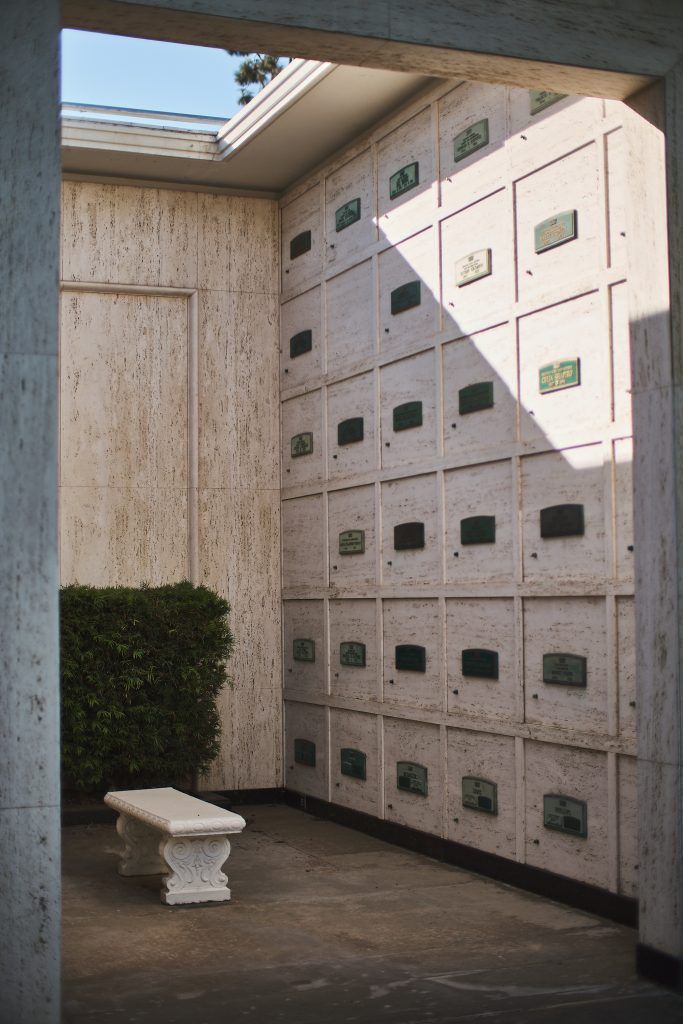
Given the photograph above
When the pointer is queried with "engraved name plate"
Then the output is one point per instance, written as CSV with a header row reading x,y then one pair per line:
x,y
352,542
303,650
408,536
478,530
475,397
410,658
405,297
301,444
304,752
353,763
404,179
566,373
565,669
411,778
350,431
555,231
347,214
539,99
565,814
473,266
473,138
299,245
352,653
562,521
300,343
479,794
407,415
480,663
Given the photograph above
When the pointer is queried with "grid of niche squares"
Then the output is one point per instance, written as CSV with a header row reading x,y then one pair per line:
x,y
554,814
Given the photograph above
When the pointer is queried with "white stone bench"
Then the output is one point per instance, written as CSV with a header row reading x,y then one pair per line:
x,y
184,838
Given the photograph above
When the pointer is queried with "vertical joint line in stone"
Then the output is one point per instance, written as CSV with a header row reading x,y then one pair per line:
x,y
520,800
193,436
612,666
612,821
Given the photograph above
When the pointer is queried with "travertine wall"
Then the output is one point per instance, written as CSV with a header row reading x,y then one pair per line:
x,y
521,595
169,427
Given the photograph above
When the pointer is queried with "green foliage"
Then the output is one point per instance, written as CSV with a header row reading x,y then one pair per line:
x,y
256,69
140,671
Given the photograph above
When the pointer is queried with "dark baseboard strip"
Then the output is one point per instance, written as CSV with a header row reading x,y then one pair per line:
x,y
237,797
662,968
622,909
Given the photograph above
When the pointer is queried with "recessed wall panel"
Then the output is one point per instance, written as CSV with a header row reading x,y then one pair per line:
x,y
355,736
307,722
304,656
480,522
408,404
351,446
478,755
354,673
299,218
412,623
418,744
413,500
483,678
350,209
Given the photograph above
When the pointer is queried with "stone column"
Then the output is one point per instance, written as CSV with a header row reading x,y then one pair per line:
x,y
29,682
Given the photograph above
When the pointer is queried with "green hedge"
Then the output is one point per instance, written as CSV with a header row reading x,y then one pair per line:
x,y
140,670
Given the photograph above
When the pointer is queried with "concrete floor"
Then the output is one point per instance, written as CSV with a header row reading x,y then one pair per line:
x,y
326,926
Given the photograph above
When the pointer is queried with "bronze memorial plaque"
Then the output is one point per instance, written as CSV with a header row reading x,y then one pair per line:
x,y
350,431
300,343
479,794
299,245
304,752
565,373
410,658
565,669
555,231
352,653
471,139
301,444
303,650
562,521
407,415
473,267
475,397
405,297
478,530
539,99
411,778
480,663
565,814
353,763
352,542
408,536
347,214
404,179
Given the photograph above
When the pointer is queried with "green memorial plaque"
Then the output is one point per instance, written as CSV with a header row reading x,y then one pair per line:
x,y
472,267
303,650
480,663
479,794
352,654
304,752
352,542
478,530
539,99
410,658
301,444
299,245
406,296
411,778
408,536
404,179
347,214
565,814
350,431
471,139
300,343
555,231
566,373
475,397
353,763
407,415
565,669
562,521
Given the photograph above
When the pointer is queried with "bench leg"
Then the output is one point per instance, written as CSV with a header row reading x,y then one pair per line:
x,y
194,869
141,848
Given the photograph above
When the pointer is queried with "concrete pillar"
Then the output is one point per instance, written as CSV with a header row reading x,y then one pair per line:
x,y
29,682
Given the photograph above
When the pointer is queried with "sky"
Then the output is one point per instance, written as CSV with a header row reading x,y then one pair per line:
x,y
123,72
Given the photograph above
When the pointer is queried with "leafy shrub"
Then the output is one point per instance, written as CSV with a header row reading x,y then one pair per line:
x,y
140,670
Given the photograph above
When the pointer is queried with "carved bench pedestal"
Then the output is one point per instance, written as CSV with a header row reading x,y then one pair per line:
x,y
183,838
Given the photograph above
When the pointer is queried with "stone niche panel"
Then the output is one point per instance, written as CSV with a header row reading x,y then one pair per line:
x,y
414,744
480,522
306,763
482,684
492,824
413,500
355,735
408,403
298,316
352,537
352,399
413,623
350,209
303,552
303,446
300,216
304,656
353,670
